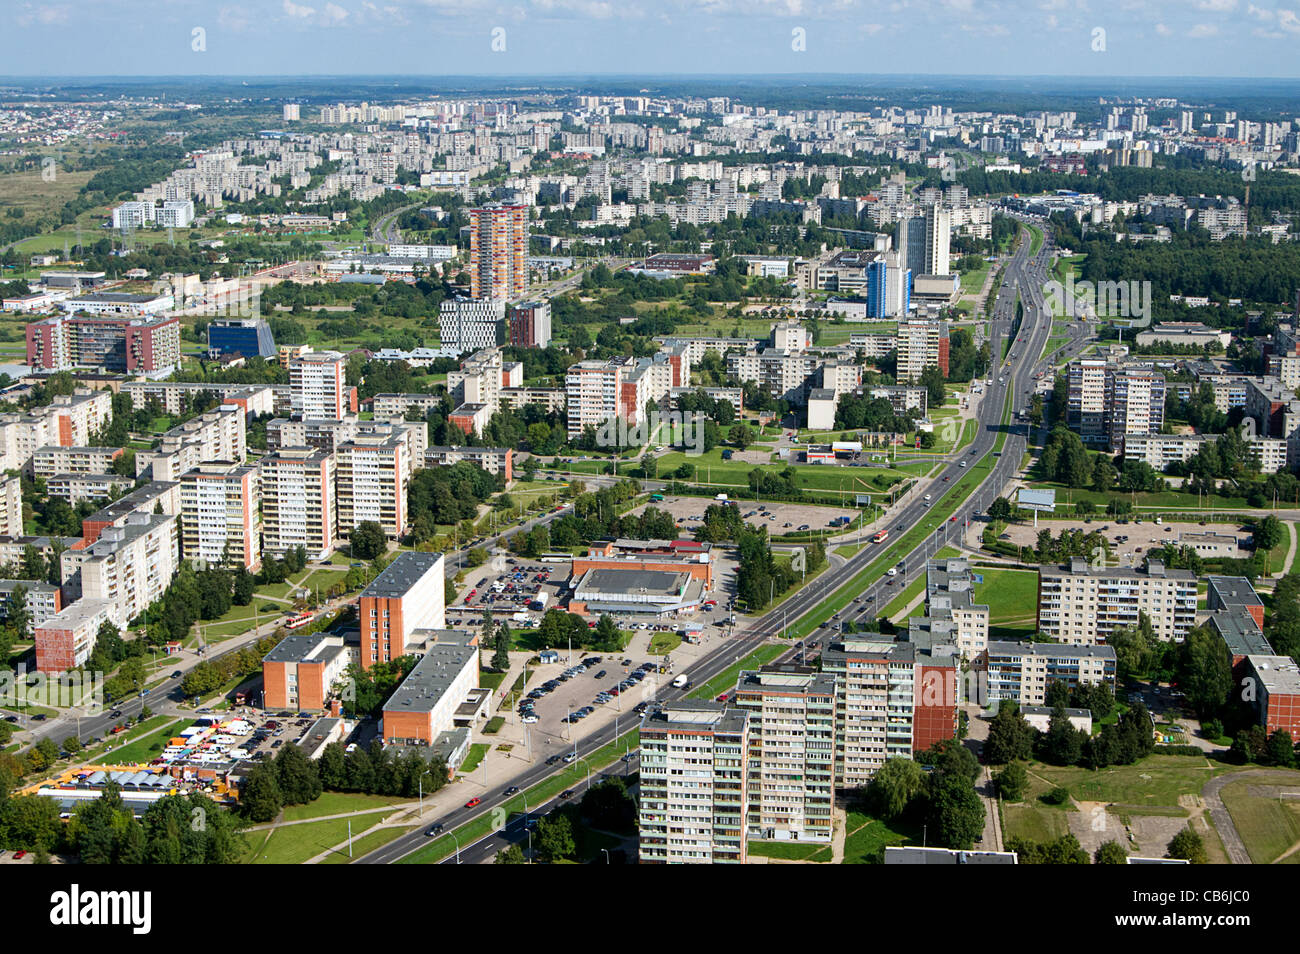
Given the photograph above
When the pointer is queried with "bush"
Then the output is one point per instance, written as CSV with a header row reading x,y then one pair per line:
x,y
1057,796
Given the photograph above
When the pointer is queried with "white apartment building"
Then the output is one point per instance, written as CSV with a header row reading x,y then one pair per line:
x,y
130,566
11,506
791,752
921,343
317,385
221,515
591,394
1022,672
694,784
373,476
471,324
1082,605
298,501
216,435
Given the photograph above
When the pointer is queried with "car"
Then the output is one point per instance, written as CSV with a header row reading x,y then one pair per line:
x,y
277,743
568,757
512,790
473,802
433,830
177,674
567,793
927,497
804,527
19,855
552,760
528,719
952,519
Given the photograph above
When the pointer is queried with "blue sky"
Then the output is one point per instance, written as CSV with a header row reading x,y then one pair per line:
x,y
294,37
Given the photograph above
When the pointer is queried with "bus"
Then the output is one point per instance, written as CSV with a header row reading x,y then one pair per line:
x,y
656,497
300,620
880,537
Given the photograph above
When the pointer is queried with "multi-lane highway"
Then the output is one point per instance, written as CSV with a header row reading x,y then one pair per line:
x,y
1025,273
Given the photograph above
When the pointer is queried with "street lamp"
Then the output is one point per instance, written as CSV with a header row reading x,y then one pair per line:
x,y
453,838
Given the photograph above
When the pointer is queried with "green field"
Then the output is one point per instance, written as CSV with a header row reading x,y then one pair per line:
x,y
1268,826
727,678
337,803
294,844
1012,599
785,850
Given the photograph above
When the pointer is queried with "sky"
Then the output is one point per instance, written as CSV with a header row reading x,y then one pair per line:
x,y
1096,38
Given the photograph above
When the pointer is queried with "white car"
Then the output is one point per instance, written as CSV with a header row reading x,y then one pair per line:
x,y
927,496
529,719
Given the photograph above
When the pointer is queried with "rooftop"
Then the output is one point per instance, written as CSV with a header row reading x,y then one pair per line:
x,y
432,676
402,574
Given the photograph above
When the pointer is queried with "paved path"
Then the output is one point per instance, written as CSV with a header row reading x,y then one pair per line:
x,y
1232,842
1291,530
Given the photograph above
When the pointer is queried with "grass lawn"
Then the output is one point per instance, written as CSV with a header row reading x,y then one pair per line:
x,y
294,844
663,643
477,751
865,841
1011,595
336,803
727,678
1268,826
1033,820
147,748
784,850
1150,786
490,680
152,724
367,843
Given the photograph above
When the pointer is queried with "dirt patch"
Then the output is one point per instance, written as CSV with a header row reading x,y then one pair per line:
x,y
686,510
1145,835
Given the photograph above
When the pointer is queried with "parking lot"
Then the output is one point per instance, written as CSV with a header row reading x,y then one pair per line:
x,y
507,584
777,517
1130,541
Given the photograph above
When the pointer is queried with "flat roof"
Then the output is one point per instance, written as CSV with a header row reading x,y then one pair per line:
x,y
618,580
402,574
694,716
1278,674
1240,632
432,676
1234,591
1000,648
303,647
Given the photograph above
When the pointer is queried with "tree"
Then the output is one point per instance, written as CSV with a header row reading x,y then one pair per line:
x,y
297,776
1268,533
501,658
1280,750
1010,736
895,785
956,815
244,587
1188,846
1110,853
513,855
368,540
260,797
1065,850
1205,672
1012,781
1000,510
1063,743
554,841
740,434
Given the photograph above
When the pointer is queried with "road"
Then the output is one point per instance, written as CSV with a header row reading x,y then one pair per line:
x,y
1025,273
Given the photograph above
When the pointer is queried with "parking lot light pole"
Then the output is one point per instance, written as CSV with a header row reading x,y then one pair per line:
x,y
453,838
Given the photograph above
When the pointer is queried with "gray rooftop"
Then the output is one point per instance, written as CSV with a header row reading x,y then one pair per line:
x,y
1278,674
692,715
617,580
303,647
402,574
432,676
1056,650
1233,591
1239,631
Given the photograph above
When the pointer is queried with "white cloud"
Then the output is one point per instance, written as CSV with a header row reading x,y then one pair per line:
x,y
1288,21
1217,6
1203,30
1259,13
1163,30
292,9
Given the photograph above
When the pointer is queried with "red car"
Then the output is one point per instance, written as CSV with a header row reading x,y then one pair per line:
x,y
952,519
473,801
19,855
724,697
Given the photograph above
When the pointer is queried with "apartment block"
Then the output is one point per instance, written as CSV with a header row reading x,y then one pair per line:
x,y
163,496
791,752
1086,412
922,343
1022,671
11,506
221,521
48,461
530,324
592,394
374,472
893,698
951,613
1276,682
494,460
298,501
1161,450
498,251
1135,403
1082,605
116,339
318,386
129,566
77,487
42,600
300,672
66,640
694,784
409,595
471,324
215,435
1234,593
